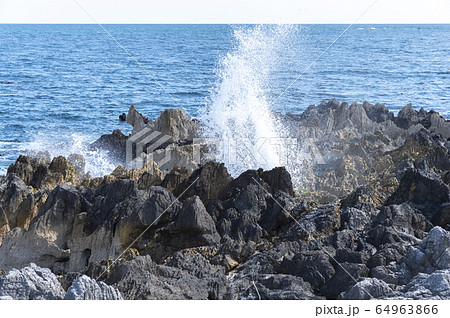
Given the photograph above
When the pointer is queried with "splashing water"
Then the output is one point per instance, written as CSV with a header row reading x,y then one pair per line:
x,y
239,119
98,163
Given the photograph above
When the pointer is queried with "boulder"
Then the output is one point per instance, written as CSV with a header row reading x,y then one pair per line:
x,y
86,288
366,289
423,191
193,226
142,279
175,123
314,267
135,119
31,283
210,180
343,278
432,254
114,143
429,286
18,205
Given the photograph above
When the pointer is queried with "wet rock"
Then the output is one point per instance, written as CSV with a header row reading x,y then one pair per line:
x,y
79,163
85,288
31,283
114,144
123,117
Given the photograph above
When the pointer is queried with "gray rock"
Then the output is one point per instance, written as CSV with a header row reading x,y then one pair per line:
x,y
368,288
31,283
143,279
345,276
432,254
193,226
135,119
86,288
175,123
429,286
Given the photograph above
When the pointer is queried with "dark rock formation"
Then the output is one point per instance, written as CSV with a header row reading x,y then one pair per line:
x,y
372,221
114,143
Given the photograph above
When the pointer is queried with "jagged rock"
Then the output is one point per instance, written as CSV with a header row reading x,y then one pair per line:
x,y
86,288
38,174
424,192
212,178
368,288
354,219
321,222
432,254
176,156
31,283
193,226
114,143
119,215
147,176
141,278
175,123
135,119
385,274
78,162
174,178
400,220
408,117
344,277
18,205
387,253
429,286
273,287
45,243
314,267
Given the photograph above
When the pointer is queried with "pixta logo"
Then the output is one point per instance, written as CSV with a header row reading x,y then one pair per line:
x,y
137,157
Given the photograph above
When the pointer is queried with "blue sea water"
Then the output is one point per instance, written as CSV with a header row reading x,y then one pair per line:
x,y
62,86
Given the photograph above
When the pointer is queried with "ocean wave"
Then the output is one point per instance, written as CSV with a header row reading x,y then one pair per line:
x,y
98,162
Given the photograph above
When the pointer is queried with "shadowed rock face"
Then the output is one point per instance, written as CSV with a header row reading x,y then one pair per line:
x,y
377,208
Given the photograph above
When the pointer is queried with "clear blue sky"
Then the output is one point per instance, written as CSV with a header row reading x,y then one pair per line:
x,y
224,11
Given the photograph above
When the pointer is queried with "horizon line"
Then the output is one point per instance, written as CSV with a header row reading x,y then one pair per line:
x,y
220,23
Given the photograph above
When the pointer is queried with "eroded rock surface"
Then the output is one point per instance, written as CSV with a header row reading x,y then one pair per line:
x,y
372,221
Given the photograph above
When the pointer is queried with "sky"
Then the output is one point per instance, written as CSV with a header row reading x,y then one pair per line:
x,y
224,11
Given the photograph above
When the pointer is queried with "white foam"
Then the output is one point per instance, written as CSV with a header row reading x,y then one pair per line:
x,y
98,162
238,116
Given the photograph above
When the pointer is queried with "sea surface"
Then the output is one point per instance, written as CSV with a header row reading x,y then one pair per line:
x,y
63,86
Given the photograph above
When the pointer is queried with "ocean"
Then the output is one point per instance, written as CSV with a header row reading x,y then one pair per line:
x,y
63,86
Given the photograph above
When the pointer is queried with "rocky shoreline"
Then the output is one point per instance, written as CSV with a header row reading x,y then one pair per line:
x,y
371,219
